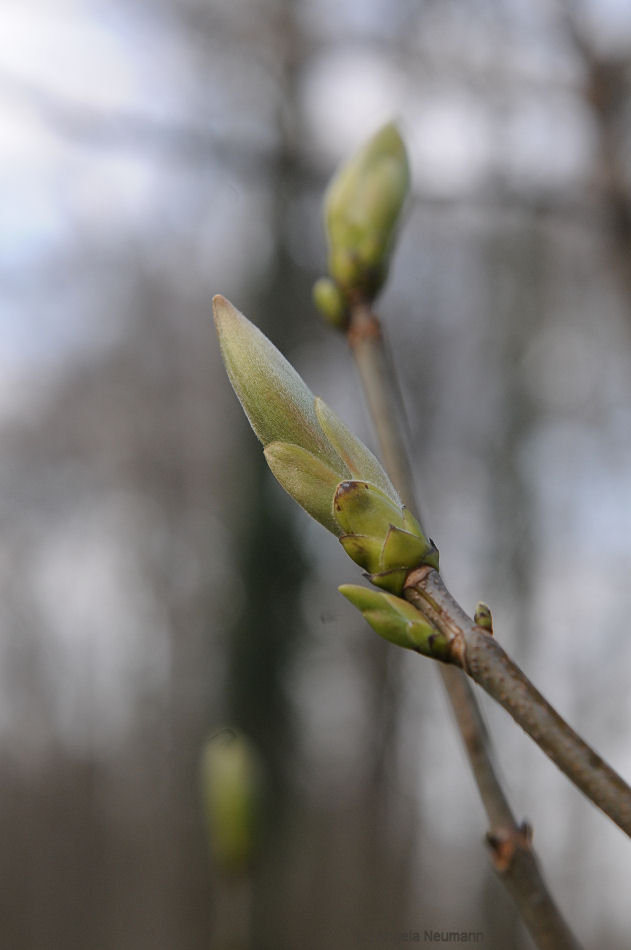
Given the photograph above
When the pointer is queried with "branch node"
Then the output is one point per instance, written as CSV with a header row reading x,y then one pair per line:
x,y
505,843
417,576
363,326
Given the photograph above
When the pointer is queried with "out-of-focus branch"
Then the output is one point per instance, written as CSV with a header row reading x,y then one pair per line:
x,y
510,844
182,142
606,92
107,128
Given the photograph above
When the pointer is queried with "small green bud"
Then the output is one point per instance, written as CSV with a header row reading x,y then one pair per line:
x,y
232,792
396,620
362,209
331,303
483,617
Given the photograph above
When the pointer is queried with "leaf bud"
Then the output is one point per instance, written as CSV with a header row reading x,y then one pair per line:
x,y
362,209
398,621
331,303
318,460
232,795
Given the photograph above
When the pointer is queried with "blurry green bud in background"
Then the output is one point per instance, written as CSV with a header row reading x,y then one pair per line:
x,y
232,796
362,209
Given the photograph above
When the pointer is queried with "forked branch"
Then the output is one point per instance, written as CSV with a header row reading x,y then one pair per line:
x,y
510,843
480,656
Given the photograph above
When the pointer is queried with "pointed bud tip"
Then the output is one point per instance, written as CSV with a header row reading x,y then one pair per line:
x,y
223,310
361,597
388,138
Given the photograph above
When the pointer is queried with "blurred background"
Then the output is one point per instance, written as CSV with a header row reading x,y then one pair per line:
x,y
156,584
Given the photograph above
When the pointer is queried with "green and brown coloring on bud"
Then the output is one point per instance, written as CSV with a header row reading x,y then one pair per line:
x,y
362,209
483,617
318,460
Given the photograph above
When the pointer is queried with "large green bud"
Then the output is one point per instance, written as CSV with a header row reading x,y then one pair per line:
x,y
362,209
317,459
232,793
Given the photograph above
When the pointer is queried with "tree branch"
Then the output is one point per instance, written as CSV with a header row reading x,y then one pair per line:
x,y
510,844
476,652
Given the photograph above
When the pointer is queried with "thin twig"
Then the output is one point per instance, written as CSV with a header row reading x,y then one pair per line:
x,y
510,844
605,92
476,652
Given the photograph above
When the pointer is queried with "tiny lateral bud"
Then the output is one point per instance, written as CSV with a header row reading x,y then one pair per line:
x,y
483,617
331,303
